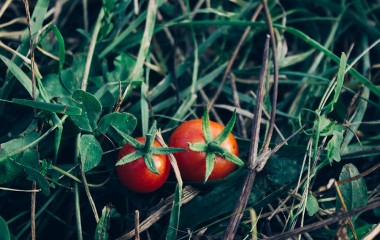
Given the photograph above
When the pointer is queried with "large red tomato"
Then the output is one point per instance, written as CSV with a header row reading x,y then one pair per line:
x,y
136,175
192,165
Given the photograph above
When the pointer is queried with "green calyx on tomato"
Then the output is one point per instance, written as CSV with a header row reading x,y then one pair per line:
x,y
145,150
212,147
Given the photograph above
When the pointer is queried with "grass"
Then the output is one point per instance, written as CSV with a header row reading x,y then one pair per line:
x,y
110,69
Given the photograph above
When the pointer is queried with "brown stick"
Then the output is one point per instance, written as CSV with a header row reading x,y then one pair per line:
x,y
275,79
137,225
363,174
252,158
339,216
34,90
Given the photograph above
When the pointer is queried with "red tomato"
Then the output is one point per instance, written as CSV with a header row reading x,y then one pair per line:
x,y
136,175
192,165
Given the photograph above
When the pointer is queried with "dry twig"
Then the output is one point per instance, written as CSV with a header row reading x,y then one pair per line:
x,y
338,217
252,158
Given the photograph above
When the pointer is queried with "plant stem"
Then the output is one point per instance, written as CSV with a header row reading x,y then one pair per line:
x,y
252,158
34,96
76,194
275,78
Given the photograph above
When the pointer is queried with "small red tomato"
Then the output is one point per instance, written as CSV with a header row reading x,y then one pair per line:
x,y
136,176
192,165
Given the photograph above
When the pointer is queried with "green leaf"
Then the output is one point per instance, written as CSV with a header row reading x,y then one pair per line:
x,y
219,201
124,122
333,146
150,163
376,211
103,225
129,139
171,234
210,159
312,206
130,157
91,109
20,75
324,125
358,117
4,230
29,160
153,129
166,150
232,158
90,151
198,147
339,84
10,150
355,192
60,41
206,126
54,86
50,107
144,108
283,169
226,130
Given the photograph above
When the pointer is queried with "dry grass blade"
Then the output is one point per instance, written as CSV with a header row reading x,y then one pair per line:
x,y
375,232
162,209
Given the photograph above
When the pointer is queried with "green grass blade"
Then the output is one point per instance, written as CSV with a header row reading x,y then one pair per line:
x,y
353,72
226,130
128,30
19,74
144,108
50,107
171,234
129,158
210,159
4,230
339,84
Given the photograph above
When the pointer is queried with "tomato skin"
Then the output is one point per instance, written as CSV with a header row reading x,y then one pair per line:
x,y
192,165
136,176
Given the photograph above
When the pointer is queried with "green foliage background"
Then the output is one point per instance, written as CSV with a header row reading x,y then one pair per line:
x,y
110,68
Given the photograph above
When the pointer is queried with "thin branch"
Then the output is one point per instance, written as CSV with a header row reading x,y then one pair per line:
x,y
275,79
137,225
233,58
363,174
34,95
336,218
252,158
